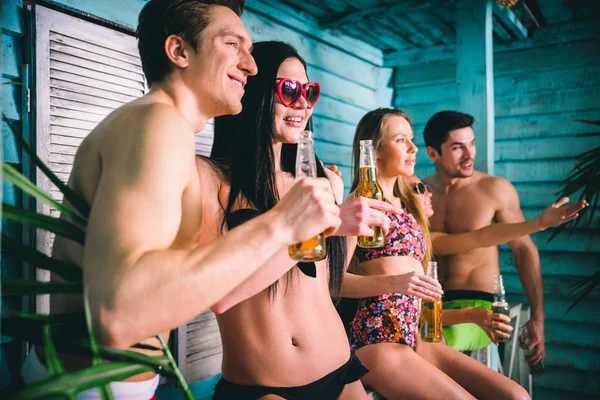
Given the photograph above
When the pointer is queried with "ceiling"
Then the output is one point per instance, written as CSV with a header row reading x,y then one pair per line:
x,y
393,25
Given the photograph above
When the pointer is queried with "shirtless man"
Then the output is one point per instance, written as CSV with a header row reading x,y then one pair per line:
x,y
464,200
143,269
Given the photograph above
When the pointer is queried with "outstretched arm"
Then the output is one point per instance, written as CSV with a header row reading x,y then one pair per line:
x,y
495,325
140,281
497,234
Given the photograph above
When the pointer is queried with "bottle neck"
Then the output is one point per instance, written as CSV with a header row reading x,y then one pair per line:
x,y
432,270
499,293
306,166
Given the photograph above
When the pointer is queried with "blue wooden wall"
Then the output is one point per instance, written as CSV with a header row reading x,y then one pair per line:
x,y
540,85
349,71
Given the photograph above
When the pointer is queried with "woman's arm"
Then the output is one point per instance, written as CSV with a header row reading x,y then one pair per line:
x,y
496,234
495,325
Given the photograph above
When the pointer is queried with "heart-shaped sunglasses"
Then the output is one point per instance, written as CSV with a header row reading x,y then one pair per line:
x,y
290,91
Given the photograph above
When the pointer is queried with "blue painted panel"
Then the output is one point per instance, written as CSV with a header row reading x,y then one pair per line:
x,y
341,155
10,100
12,18
334,131
556,308
556,286
555,124
535,170
11,57
520,82
123,13
542,393
426,94
583,98
560,332
580,241
557,263
9,144
545,148
570,379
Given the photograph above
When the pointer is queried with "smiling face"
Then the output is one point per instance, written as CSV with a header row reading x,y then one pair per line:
x,y
424,197
396,153
290,121
458,153
219,69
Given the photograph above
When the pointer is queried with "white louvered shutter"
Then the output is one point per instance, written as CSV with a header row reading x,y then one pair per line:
x,y
83,72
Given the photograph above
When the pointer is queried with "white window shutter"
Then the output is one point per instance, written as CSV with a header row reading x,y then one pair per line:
x,y
83,72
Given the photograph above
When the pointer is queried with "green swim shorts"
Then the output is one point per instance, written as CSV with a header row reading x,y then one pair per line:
x,y
469,336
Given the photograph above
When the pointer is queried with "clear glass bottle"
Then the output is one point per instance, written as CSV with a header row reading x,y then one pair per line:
x,y
431,312
313,249
368,187
500,306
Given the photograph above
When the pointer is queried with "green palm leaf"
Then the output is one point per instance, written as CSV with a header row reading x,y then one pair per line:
x,y
74,199
20,181
76,382
13,247
59,226
25,287
54,365
184,386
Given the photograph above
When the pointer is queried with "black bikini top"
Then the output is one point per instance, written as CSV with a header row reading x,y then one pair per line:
x,y
242,215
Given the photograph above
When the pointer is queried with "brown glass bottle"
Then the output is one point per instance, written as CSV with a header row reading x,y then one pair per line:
x,y
313,249
368,187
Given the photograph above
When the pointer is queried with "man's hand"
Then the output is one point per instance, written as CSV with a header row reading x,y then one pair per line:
x,y
359,214
556,214
415,284
308,209
495,325
535,329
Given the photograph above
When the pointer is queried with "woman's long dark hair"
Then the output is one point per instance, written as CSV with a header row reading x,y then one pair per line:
x,y
244,142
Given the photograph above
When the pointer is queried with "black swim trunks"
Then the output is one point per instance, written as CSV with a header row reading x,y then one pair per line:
x,y
328,387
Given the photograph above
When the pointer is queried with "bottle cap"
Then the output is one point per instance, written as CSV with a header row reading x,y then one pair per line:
x,y
366,142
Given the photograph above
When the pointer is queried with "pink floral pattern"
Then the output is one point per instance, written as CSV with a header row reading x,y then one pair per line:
x,y
391,317
405,238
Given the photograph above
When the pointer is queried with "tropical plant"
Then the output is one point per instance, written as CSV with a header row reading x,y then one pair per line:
x,y
584,177
76,333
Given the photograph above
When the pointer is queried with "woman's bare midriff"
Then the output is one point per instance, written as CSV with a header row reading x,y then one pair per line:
x,y
392,265
293,341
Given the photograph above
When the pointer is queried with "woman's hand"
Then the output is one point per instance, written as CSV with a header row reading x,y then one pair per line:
x,y
495,325
414,284
556,214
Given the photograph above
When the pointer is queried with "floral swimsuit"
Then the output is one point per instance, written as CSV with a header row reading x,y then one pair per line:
x,y
391,317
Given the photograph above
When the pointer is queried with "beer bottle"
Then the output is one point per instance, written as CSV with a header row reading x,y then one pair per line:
x,y
306,167
500,306
431,312
536,369
368,187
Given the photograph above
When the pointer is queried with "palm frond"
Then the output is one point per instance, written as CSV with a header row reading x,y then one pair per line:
x,y
54,365
25,287
20,181
76,382
184,386
74,199
13,247
56,225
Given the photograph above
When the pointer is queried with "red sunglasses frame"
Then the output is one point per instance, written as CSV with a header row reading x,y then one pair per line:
x,y
302,92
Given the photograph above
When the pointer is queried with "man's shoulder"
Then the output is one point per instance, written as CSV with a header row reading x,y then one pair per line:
x,y
492,183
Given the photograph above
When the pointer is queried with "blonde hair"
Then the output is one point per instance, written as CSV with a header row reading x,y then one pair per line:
x,y
370,128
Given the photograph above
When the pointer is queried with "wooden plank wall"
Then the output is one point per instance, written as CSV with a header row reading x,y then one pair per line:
x,y
540,87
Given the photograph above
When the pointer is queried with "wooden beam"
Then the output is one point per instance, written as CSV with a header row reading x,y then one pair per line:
x,y
510,21
475,74
341,19
547,36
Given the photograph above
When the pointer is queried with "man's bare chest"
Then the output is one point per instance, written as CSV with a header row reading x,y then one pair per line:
x,y
463,211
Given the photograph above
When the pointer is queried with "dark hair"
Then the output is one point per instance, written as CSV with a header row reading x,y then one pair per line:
x,y
245,143
161,18
441,123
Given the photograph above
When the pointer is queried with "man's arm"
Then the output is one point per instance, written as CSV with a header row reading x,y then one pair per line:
x,y
140,283
496,234
527,262
495,325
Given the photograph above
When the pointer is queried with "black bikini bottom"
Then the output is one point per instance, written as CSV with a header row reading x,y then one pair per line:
x,y
328,387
